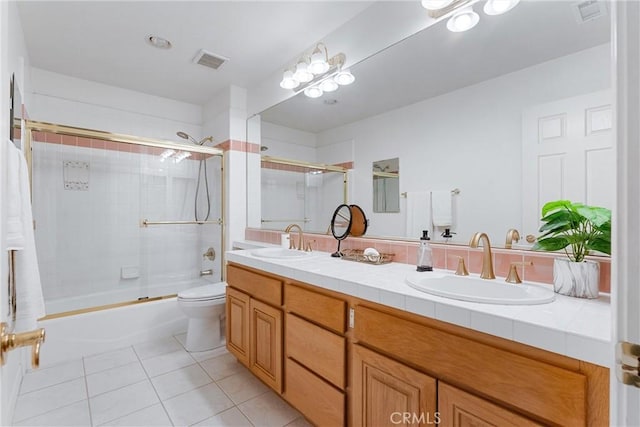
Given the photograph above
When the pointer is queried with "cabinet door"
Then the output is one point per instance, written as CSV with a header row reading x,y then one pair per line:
x,y
460,409
388,393
238,324
266,343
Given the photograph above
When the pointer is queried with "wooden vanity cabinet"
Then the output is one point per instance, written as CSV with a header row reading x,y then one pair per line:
x,y
237,327
457,408
254,323
388,393
344,361
316,360
488,374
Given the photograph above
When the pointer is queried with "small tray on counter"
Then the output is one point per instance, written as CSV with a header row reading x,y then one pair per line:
x,y
359,256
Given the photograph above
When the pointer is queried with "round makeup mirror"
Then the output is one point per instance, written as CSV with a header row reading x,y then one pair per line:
x,y
359,221
340,226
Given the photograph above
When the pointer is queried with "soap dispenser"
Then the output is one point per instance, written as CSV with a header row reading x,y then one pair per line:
x,y
425,260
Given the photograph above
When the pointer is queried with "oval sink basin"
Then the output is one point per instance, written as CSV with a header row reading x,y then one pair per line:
x,y
474,289
280,253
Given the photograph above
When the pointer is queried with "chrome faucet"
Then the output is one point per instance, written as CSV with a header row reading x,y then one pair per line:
x,y
512,235
300,245
487,259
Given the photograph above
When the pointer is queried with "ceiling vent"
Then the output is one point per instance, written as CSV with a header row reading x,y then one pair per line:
x,y
209,59
589,10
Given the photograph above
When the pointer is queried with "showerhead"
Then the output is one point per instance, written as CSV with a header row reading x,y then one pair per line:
x,y
188,137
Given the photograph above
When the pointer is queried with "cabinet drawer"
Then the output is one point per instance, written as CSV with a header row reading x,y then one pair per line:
x,y
321,351
322,309
539,389
460,409
322,404
264,288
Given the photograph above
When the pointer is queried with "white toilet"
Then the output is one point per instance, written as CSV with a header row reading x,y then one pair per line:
x,y
204,306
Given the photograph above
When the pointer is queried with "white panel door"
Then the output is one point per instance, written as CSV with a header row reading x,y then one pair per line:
x,y
567,153
625,301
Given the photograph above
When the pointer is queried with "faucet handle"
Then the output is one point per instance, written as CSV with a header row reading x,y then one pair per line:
x,y
462,268
308,247
513,276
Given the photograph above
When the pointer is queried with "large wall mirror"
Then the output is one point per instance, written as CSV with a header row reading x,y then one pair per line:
x,y
504,117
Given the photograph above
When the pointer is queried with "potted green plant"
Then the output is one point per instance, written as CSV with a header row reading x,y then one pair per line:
x,y
577,229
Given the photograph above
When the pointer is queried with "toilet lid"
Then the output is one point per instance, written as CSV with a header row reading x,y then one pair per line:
x,y
212,291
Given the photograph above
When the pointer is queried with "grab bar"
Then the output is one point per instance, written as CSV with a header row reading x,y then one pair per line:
x,y
286,220
146,222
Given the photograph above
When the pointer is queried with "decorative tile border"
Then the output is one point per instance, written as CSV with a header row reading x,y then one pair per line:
x,y
101,144
445,256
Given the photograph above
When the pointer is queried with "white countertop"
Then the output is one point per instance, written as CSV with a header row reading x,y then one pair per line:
x,y
574,327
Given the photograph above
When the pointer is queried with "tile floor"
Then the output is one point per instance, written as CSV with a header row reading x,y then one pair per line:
x,y
154,383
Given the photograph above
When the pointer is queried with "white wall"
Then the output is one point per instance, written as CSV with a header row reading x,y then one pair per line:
x,y
290,143
76,102
469,139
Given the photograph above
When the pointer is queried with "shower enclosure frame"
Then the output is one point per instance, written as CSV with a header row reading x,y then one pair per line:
x,y
37,126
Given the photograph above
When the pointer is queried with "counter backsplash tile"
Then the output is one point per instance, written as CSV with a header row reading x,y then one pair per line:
x,y
446,256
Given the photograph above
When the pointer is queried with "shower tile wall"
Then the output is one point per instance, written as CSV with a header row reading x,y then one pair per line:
x,y
89,241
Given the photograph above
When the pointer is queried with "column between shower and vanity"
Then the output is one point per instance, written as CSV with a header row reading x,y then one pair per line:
x,y
335,337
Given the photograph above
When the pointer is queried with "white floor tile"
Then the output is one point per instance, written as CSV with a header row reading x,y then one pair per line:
x,y
182,338
164,363
152,416
199,356
269,410
123,401
76,414
112,359
47,399
154,348
300,422
180,381
229,418
52,375
115,378
242,386
221,366
197,405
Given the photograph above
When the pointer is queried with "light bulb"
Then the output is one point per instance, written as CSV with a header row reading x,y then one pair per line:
x,y
313,92
344,78
318,63
329,85
497,7
464,20
302,73
288,82
436,4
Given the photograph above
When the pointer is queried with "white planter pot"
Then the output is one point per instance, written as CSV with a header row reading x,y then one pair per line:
x,y
576,279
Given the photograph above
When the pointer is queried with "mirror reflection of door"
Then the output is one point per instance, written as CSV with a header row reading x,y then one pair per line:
x,y
386,185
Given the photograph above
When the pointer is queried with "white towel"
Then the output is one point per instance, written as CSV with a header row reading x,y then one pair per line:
x,y
441,208
29,299
15,235
418,213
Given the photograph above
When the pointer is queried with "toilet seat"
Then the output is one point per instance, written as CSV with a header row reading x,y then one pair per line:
x,y
211,292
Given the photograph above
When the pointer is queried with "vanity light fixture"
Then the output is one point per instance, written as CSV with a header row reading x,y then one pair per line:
x,y
436,4
463,20
317,73
313,92
498,7
461,15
